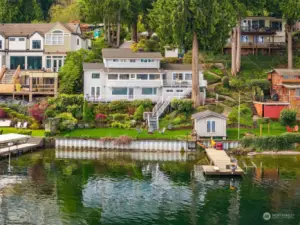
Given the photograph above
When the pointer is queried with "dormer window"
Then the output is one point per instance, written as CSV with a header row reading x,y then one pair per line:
x,y
36,44
55,38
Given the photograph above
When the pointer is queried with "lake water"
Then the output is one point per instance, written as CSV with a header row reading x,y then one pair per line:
x,y
59,187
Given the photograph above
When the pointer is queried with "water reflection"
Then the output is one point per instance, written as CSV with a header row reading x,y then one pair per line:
x,y
53,187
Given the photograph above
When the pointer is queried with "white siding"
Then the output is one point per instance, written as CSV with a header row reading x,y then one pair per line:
x,y
2,39
109,63
173,83
170,53
36,36
17,44
201,127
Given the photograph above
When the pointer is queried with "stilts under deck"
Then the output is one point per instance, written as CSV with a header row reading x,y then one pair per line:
x,y
221,164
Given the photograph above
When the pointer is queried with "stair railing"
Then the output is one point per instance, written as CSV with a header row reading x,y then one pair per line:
x,y
2,72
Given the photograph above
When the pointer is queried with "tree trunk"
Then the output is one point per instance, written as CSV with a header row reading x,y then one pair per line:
x,y
195,72
119,29
105,30
109,34
290,48
238,46
134,35
233,52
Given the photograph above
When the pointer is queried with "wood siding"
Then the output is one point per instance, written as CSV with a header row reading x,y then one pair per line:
x,y
200,127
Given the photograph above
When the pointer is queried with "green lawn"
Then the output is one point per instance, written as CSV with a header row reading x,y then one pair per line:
x,y
116,132
37,133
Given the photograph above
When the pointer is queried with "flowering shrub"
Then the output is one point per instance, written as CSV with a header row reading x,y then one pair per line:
x,y
38,111
100,117
67,122
123,140
107,139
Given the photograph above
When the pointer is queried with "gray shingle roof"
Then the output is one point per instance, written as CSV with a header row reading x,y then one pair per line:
x,y
93,66
207,113
26,29
125,53
183,67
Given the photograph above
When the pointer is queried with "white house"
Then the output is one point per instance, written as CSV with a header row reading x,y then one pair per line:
x,y
37,46
209,124
127,75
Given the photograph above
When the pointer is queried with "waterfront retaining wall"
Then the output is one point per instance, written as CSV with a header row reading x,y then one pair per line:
x,y
136,145
226,144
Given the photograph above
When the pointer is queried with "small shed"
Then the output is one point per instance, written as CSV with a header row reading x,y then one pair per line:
x,y
210,124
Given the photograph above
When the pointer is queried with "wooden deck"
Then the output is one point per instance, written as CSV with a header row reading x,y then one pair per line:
x,y
221,164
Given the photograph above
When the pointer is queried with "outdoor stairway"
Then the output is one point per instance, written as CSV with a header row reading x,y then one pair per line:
x,y
152,118
7,78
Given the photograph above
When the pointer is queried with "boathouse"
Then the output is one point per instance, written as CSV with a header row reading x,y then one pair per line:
x,y
209,124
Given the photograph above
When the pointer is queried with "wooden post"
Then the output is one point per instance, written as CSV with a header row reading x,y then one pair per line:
x,y
55,86
260,133
269,45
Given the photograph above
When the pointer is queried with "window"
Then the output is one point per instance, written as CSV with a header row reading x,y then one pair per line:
x,y
132,60
21,39
154,76
177,76
244,38
132,76
123,60
95,75
147,60
211,126
276,25
142,76
298,92
77,41
119,91
97,91
180,90
36,44
15,61
259,39
0,44
34,62
48,62
55,38
112,76
124,76
169,90
150,60
93,91
148,91
115,60
188,76
12,39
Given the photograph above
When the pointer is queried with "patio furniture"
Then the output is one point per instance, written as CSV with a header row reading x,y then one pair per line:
x,y
18,125
5,123
162,131
24,125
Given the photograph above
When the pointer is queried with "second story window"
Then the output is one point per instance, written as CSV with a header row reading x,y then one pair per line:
x,y
177,76
12,39
21,39
77,41
132,60
95,75
112,77
115,60
55,38
188,76
36,44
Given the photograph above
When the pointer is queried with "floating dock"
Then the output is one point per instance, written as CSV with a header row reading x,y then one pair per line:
x,y
221,164
16,143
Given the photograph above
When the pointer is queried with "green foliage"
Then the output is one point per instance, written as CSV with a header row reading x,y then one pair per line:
x,y
97,46
147,103
66,122
281,142
75,110
87,112
138,115
182,105
35,126
65,12
146,45
119,106
225,82
211,79
178,120
288,117
101,108
237,84
216,108
187,58
15,115
261,83
117,124
70,74
120,116
245,116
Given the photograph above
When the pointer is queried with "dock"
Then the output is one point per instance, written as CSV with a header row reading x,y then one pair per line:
x,y
15,143
220,164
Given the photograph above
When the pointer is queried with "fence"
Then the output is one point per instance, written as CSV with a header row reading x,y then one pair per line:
x,y
226,144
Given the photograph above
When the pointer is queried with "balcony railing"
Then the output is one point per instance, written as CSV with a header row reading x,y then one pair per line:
x,y
38,88
183,83
255,28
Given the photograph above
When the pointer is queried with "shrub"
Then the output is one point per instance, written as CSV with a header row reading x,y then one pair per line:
x,y
178,120
38,111
35,126
66,122
201,108
288,117
182,105
87,112
225,82
119,106
216,108
102,108
100,117
261,83
120,117
138,115
75,110
147,103
237,84
117,124
2,114
62,101
123,140
245,116
25,132
211,79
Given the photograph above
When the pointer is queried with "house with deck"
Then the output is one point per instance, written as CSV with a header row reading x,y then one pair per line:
x,y
32,54
285,93
127,75
261,34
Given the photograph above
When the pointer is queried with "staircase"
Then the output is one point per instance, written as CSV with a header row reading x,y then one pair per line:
x,y
152,118
8,77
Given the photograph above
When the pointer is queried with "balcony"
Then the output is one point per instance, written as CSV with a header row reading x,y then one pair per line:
x,y
183,83
255,29
261,45
134,83
36,88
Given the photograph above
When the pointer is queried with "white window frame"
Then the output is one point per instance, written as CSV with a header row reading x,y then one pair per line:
x,y
56,37
153,91
93,74
210,130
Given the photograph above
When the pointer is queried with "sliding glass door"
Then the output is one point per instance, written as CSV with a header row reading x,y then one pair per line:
x,y
15,61
34,62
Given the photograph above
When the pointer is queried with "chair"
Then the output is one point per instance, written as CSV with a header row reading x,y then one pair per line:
x,y
25,125
18,125
288,129
296,128
162,131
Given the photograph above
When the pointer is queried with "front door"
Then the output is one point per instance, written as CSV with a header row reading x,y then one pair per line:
x,y
57,63
131,93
